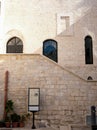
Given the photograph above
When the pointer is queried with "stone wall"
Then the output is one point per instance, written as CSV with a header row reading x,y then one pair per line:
x,y
65,98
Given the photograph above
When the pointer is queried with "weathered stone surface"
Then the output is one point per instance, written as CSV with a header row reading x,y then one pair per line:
x,y
66,93
67,22
64,97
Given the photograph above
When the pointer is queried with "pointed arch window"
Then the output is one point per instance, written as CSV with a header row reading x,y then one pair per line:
x,y
50,49
88,50
14,45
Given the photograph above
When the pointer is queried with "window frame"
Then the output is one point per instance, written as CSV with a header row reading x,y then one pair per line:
x,y
56,48
88,50
16,47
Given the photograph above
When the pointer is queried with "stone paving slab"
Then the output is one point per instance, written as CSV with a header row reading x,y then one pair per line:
x,y
27,128
72,127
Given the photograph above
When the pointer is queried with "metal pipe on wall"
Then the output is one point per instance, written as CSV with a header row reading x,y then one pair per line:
x,y
5,92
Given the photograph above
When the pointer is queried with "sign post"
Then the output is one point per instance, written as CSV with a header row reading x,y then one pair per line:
x,y
93,118
33,102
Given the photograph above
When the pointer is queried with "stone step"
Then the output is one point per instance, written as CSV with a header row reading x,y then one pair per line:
x,y
80,127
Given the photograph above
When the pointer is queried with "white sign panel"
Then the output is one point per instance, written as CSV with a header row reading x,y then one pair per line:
x,y
33,108
33,99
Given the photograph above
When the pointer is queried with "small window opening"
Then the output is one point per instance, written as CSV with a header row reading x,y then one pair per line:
x,y
89,78
88,50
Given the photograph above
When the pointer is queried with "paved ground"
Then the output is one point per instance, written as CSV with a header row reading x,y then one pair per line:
x,y
28,128
49,128
40,129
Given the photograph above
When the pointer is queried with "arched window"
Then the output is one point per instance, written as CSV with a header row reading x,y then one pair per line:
x,y
88,50
50,49
14,45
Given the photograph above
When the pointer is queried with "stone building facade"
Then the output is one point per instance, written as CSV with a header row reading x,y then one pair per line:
x,y
68,86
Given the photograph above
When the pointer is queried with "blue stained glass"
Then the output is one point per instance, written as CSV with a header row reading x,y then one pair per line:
x,y
50,49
